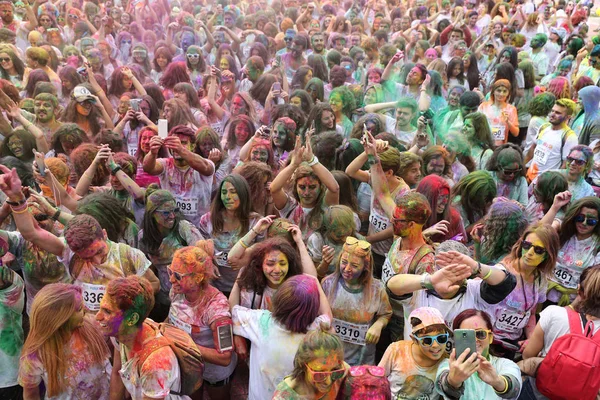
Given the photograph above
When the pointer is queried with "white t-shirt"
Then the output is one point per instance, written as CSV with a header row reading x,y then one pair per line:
x,y
554,321
12,300
273,349
190,188
547,154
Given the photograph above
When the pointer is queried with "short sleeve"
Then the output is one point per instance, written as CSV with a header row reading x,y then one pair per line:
x,y
31,371
427,264
286,211
15,242
217,309
246,322
570,142
163,162
205,225
137,261
159,373
314,245
189,233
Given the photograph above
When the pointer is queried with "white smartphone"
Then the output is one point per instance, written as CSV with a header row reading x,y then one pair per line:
x,y
163,129
225,336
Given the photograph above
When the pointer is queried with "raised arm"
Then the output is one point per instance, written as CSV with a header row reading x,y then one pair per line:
x,y
136,83
308,267
10,184
380,187
83,186
354,168
40,139
196,161
149,164
332,197
129,184
387,72
282,178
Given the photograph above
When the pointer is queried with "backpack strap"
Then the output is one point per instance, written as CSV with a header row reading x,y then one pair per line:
x,y
153,345
574,321
422,252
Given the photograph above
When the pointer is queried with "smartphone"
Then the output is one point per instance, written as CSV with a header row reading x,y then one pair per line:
x,y
277,86
39,161
266,132
163,130
464,339
135,104
82,72
225,335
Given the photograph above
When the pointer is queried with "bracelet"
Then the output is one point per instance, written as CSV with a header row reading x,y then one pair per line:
x,y
506,387
56,215
20,210
115,170
426,282
478,272
16,203
488,274
243,244
252,229
314,161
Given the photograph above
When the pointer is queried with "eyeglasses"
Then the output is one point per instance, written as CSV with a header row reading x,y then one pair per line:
x,y
288,39
125,41
193,55
178,275
3,60
589,221
166,213
427,341
398,220
44,20
510,171
482,334
321,376
576,161
352,241
537,249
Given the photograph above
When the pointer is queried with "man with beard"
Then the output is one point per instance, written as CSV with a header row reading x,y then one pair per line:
x,y
414,80
295,58
538,56
22,29
187,175
410,253
554,141
290,34
317,42
45,106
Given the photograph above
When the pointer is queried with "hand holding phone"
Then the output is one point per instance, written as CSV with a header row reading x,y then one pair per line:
x,y
163,130
39,162
464,339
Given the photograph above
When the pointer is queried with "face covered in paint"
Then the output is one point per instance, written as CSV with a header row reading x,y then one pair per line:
x,y
536,42
576,164
242,133
427,340
308,189
468,129
238,106
442,201
184,280
586,221
280,135
401,225
436,166
259,153
187,39
95,253
508,171
140,54
352,267
533,252
252,71
229,196
164,215
275,266
374,77
322,371
15,145
84,108
336,103
145,140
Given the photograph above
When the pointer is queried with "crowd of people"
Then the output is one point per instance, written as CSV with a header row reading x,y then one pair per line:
x,y
294,199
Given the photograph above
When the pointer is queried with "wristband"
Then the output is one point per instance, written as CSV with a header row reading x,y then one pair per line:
x,y
505,387
16,203
56,215
314,161
243,244
426,282
488,274
20,210
252,229
478,272
115,170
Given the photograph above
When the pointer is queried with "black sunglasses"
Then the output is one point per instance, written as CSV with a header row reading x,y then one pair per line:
x,y
510,171
576,161
537,249
589,221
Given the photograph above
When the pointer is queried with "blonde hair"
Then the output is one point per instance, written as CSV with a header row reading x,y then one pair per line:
x,y
51,331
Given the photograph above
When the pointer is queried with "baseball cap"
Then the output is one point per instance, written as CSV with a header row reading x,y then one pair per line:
x,y
427,316
561,32
81,94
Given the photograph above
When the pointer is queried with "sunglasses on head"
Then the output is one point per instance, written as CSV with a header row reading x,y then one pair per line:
x,y
576,161
427,341
178,275
352,241
482,334
510,171
321,376
589,221
537,249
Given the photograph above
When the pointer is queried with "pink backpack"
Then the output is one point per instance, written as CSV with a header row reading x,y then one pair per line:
x,y
571,369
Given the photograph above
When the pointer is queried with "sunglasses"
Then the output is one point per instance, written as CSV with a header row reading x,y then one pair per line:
x,y
3,60
193,55
126,42
166,213
352,241
74,16
373,370
510,171
321,376
589,221
537,249
428,340
178,275
576,161
44,20
482,334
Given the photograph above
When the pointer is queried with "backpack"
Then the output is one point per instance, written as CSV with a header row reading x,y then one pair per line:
x,y
571,369
189,358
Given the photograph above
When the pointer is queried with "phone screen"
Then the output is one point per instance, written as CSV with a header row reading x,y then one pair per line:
x,y
225,337
163,130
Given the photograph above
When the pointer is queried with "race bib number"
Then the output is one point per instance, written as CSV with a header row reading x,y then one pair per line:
x,y
387,271
351,333
188,206
132,149
512,320
221,259
541,154
499,133
92,296
180,324
567,277
377,222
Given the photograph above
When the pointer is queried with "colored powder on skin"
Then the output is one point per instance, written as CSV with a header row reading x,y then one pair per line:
x,y
157,199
